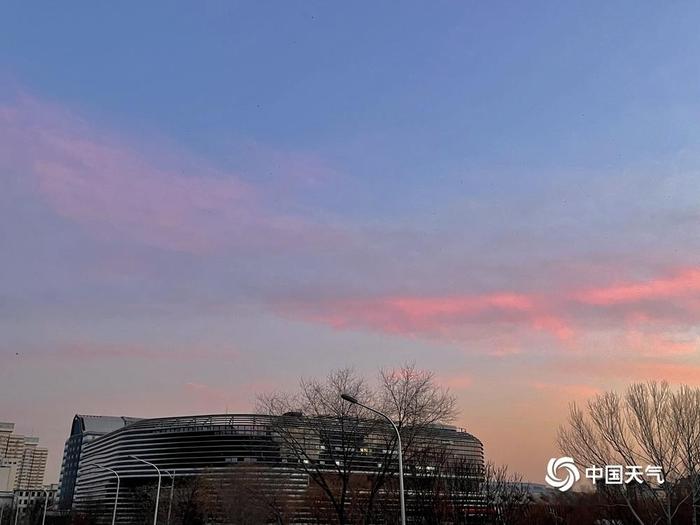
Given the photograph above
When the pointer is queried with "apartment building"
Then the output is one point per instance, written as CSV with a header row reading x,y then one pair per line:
x,y
22,460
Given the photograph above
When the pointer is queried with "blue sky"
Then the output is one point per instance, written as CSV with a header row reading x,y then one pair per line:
x,y
204,200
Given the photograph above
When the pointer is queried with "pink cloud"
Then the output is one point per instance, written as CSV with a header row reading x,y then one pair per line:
x,y
436,316
554,325
652,317
682,283
158,197
430,307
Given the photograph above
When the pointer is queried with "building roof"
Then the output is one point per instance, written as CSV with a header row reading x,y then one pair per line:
x,y
86,424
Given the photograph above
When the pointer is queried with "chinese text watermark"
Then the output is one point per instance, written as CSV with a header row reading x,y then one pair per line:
x,y
562,473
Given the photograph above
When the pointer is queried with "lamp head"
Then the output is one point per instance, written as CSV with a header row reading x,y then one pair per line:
x,y
349,398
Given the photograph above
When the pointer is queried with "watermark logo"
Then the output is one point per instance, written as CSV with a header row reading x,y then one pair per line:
x,y
623,474
562,473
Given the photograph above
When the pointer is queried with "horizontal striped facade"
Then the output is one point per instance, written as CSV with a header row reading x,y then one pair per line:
x,y
250,446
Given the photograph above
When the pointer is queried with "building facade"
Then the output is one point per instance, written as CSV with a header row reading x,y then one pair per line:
x,y
275,454
22,460
25,499
84,429
27,505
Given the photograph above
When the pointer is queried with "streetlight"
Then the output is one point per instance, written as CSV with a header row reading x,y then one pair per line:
x,y
354,401
116,496
155,513
172,488
46,504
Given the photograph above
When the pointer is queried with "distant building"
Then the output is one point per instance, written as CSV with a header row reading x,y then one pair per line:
x,y
22,460
19,505
8,476
84,429
6,502
24,499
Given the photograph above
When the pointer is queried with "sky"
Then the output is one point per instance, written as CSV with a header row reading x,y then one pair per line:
x,y
204,201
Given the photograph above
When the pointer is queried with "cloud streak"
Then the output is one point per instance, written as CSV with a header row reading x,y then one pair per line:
x,y
160,198
570,317
432,316
684,283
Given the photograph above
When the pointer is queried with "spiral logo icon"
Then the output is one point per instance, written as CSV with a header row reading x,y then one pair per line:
x,y
566,464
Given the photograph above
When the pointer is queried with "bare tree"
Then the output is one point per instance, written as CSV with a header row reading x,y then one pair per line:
x,y
320,434
649,425
414,401
253,493
411,398
465,493
453,490
442,485
685,407
331,440
191,500
505,494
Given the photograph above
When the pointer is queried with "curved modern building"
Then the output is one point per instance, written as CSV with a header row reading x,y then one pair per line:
x,y
275,454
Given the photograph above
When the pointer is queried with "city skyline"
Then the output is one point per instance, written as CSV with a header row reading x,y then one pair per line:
x,y
200,204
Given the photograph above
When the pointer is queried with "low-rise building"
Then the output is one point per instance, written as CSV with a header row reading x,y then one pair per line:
x,y
17,505
24,499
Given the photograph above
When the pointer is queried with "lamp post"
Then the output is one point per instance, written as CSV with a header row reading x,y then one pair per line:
x,y
46,504
155,513
116,496
172,488
351,399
